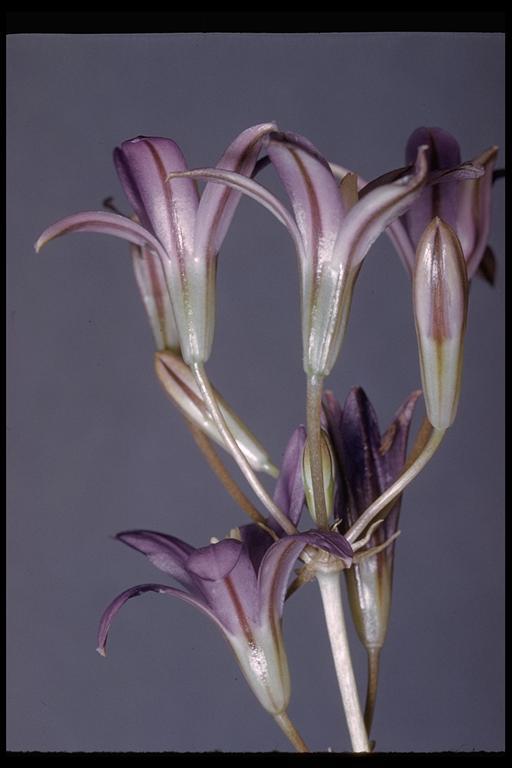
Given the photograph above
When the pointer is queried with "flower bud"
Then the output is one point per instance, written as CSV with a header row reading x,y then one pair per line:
x,y
155,295
327,475
180,385
440,299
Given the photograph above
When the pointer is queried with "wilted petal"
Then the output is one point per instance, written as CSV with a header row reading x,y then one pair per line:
x,y
474,211
155,295
115,606
103,224
440,295
181,386
289,491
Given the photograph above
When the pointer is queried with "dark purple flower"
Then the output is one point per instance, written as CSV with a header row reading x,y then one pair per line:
x,y
240,583
369,463
178,234
458,193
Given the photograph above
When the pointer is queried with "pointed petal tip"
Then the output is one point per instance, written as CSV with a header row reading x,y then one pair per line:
x,y
102,651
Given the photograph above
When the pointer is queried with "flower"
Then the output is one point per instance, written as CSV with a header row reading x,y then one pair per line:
x,y
368,464
183,231
240,583
440,300
459,194
332,229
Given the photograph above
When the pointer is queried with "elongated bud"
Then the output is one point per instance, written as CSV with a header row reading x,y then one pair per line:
x,y
440,298
180,385
327,473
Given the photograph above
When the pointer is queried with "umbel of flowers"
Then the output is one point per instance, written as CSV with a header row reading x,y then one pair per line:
x,y
339,466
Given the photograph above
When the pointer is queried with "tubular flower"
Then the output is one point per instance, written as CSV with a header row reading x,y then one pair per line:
x,y
440,300
332,229
368,464
458,193
173,224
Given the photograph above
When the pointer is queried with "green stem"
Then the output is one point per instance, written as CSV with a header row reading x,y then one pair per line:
x,y
291,732
314,406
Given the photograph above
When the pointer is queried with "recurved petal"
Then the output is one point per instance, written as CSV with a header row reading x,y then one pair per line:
x,y
155,295
104,224
218,204
252,189
313,191
374,212
115,606
166,553
143,165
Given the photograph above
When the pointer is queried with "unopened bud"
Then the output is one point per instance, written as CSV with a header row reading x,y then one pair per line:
x,y
440,298
180,385
155,295
327,476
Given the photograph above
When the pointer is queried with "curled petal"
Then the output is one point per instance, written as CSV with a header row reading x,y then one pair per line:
x,y
116,605
103,224
252,189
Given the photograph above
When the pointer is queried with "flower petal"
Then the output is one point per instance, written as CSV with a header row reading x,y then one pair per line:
x,y
228,580
104,224
278,563
155,295
169,210
115,606
218,205
313,191
251,189
166,553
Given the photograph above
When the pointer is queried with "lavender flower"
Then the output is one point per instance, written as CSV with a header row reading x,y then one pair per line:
x,y
332,230
184,232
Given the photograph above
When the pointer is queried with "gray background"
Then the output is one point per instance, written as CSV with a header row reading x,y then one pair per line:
x,y
95,447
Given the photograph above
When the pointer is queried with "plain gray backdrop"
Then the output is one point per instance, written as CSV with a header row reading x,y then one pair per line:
x,y
95,447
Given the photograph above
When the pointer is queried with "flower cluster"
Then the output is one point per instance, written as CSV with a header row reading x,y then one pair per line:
x,y
350,477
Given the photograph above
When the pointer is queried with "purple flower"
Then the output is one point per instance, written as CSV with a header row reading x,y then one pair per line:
x,y
458,193
179,234
369,463
332,228
240,583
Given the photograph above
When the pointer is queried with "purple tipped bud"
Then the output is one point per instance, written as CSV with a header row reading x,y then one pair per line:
x,y
440,298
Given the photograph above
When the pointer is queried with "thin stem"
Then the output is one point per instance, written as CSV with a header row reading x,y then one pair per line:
x,y
398,486
291,732
214,462
330,591
216,414
371,688
314,405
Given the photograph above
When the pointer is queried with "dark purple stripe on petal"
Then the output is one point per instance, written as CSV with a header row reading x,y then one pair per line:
x,y
116,605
